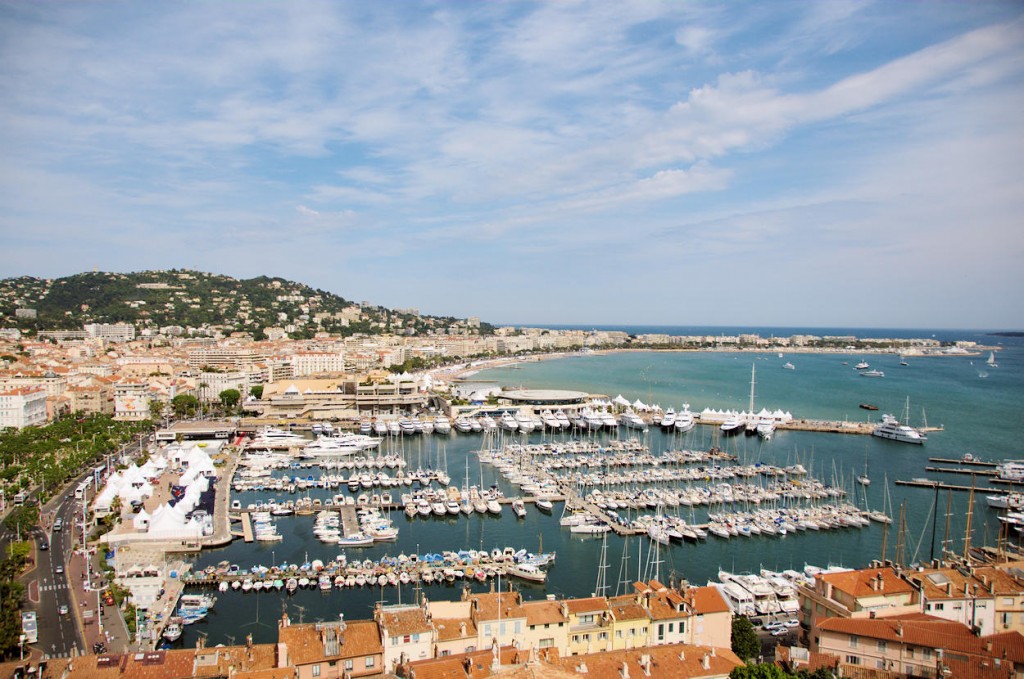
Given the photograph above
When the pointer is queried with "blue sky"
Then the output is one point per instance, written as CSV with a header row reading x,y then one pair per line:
x,y
781,163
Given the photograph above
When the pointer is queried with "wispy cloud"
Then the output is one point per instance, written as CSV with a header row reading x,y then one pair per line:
x,y
619,135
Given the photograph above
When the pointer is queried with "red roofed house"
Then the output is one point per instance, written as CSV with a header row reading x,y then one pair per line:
x,y
406,634
330,650
863,593
920,645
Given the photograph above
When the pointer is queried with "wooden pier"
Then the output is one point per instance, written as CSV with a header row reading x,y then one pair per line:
x,y
247,532
349,520
965,461
961,470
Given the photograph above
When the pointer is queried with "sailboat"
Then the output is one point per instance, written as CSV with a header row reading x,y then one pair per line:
x,y
991,362
864,479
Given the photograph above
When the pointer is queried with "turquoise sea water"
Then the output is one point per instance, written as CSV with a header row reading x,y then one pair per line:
x,y
981,415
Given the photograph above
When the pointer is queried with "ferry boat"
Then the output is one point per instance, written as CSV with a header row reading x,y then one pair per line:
x,y
890,428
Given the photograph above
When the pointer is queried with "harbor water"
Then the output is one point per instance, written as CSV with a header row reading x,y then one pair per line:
x,y
980,408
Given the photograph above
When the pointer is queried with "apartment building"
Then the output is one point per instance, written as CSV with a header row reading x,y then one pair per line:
x,y
331,650
406,634
919,645
22,407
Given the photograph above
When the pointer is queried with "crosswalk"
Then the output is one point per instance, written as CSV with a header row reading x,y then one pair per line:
x,y
52,588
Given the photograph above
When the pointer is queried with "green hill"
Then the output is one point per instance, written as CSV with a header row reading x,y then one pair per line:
x,y
192,299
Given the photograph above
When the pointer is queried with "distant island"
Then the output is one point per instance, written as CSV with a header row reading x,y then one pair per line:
x,y
1007,333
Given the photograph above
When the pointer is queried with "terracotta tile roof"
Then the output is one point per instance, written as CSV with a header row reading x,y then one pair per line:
x,y
862,583
405,620
929,632
660,609
475,665
707,600
543,613
589,605
305,642
625,608
1000,580
487,605
948,583
451,628
666,662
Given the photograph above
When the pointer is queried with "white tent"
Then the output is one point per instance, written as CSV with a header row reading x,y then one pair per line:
x,y
640,405
141,520
621,400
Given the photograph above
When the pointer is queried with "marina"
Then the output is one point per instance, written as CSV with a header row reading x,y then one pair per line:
x,y
683,498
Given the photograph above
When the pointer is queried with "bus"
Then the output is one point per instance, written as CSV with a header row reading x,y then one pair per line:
x,y
19,498
81,489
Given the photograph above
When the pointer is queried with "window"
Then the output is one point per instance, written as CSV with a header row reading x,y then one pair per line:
x,y
586,619
316,670
661,632
854,641
547,625
445,652
880,664
881,646
394,641
618,634
632,631
369,661
575,638
547,643
939,607
501,629
910,652
926,653
519,627
348,664
602,636
853,660
671,625
406,639
416,638
586,638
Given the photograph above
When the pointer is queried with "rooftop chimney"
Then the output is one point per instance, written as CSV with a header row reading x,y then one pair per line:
x,y
705,661
624,672
582,668
645,664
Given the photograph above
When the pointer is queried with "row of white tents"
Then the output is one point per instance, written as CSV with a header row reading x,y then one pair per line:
x,y
135,484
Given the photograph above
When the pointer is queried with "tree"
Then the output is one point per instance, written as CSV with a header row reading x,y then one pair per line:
x,y
760,671
229,398
744,639
184,405
256,391
156,409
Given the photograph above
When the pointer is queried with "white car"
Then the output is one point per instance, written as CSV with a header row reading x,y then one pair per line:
x,y
780,631
792,622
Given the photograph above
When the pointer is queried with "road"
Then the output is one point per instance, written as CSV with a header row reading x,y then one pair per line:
x,y
47,590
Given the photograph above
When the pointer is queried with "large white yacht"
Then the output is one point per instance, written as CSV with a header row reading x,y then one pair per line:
x,y
684,419
891,429
631,420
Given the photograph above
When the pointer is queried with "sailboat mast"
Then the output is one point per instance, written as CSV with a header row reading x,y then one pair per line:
x,y
753,371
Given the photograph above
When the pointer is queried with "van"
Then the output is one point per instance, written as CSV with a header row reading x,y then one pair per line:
x,y
58,524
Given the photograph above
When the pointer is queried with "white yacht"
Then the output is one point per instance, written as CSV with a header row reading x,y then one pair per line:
x,y
631,420
668,420
608,420
684,419
890,428
863,365
508,422
872,373
733,425
463,424
524,422
1011,470
442,425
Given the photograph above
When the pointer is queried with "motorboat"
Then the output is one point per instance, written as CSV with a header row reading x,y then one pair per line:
x,y
442,425
526,572
668,420
519,508
872,373
788,366
863,365
174,629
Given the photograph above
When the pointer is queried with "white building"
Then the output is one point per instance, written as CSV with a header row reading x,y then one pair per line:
x,y
318,362
22,407
115,332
